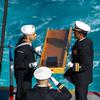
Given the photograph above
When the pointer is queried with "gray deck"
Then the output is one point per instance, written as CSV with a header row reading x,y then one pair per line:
x,y
90,97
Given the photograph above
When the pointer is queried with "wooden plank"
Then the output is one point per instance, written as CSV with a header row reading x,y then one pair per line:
x,y
55,46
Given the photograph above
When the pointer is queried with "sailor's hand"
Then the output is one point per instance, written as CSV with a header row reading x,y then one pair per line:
x,y
54,80
12,67
50,86
38,49
33,65
70,64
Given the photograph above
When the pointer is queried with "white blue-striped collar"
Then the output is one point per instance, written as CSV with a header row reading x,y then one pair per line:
x,y
82,39
23,44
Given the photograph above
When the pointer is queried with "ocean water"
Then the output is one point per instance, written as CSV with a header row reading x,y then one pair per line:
x,y
53,14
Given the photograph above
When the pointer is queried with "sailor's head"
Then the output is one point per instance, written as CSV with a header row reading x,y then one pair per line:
x,y
81,28
42,74
29,31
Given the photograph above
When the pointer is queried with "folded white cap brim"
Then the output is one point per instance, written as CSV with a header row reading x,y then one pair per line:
x,y
28,29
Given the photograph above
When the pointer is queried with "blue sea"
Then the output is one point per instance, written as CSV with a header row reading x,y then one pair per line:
x,y
52,14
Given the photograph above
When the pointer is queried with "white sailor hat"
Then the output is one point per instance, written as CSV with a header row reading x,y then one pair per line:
x,y
81,26
42,73
28,29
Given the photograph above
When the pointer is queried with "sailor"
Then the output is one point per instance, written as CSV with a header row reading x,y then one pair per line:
x,y
24,60
81,64
43,91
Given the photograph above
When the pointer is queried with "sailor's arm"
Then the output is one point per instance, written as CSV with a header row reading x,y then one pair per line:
x,y
85,60
19,59
64,93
